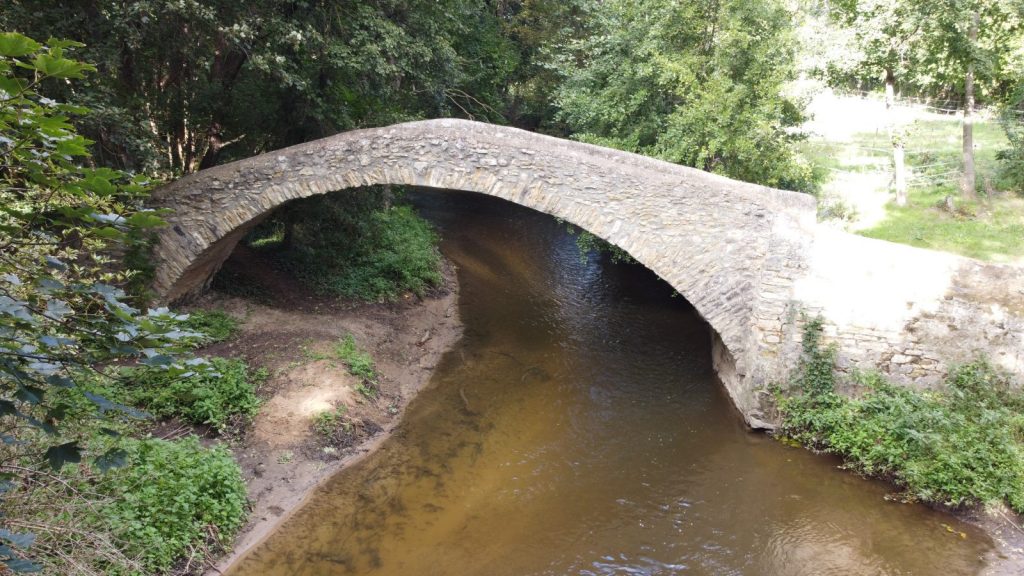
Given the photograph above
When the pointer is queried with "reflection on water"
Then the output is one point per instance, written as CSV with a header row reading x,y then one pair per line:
x,y
578,429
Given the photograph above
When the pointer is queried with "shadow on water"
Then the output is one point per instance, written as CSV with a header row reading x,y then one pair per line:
x,y
578,428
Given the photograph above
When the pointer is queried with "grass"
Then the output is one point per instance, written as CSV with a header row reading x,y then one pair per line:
x,y
991,228
960,446
360,364
215,325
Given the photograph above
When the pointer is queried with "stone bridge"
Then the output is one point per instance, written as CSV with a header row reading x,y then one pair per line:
x,y
752,260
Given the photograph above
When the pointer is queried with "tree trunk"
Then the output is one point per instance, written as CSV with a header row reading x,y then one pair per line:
x,y
967,183
899,167
227,63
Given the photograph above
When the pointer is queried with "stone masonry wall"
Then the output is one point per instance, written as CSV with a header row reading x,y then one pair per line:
x,y
911,313
708,236
750,259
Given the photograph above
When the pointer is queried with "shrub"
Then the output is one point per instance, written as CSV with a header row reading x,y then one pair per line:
x,y
357,245
213,397
215,325
398,254
960,446
173,497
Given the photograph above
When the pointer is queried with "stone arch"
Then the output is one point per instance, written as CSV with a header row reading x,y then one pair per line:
x,y
724,245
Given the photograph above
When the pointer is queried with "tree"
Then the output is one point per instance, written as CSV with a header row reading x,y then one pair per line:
x,y
182,86
61,226
960,49
534,28
971,43
968,182
697,83
886,33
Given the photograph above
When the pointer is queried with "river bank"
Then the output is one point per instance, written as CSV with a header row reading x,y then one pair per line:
x,y
290,332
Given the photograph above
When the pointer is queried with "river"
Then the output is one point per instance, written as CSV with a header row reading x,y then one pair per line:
x,y
578,428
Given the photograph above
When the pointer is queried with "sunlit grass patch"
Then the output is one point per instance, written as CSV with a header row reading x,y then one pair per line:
x,y
989,229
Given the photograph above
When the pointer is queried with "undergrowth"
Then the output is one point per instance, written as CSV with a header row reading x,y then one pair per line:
x,y
173,500
327,422
356,245
218,398
150,506
214,325
359,364
959,446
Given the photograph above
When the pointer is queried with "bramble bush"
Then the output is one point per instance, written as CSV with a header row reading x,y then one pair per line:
x,y
173,498
959,446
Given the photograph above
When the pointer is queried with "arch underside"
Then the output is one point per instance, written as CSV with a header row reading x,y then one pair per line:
x,y
711,238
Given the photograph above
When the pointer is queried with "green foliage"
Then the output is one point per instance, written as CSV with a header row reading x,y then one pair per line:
x,y
326,423
359,363
1012,159
262,74
589,244
367,389
924,45
214,325
62,221
218,397
816,377
358,245
172,499
533,29
961,446
688,82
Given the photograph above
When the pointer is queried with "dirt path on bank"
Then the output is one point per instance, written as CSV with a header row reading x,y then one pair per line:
x,y
292,333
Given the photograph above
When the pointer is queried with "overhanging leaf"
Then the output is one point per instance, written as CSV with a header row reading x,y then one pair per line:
x,y
59,67
14,45
106,405
22,566
30,394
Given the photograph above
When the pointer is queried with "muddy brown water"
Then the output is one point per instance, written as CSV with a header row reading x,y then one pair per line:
x,y
578,428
